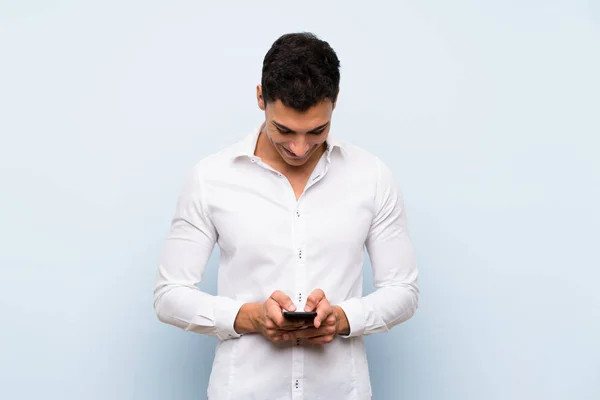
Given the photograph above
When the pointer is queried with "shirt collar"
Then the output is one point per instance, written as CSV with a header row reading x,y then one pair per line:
x,y
246,147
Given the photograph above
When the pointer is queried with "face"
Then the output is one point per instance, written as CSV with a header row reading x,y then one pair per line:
x,y
296,136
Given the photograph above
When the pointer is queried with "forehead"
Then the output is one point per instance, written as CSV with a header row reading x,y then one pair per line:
x,y
300,121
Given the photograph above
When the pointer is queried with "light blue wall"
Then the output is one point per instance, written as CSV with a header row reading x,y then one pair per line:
x,y
488,113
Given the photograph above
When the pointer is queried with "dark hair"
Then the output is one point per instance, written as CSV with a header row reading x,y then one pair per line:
x,y
301,71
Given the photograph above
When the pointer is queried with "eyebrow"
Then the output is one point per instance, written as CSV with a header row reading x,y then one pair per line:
x,y
285,128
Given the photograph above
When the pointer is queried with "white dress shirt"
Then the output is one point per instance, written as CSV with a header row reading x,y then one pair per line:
x,y
270,241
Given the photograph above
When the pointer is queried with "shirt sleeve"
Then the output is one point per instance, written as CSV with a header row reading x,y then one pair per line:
x,y
395,272
191,240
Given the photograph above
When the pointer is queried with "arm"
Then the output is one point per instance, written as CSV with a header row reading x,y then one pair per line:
x,y
177,300
395,273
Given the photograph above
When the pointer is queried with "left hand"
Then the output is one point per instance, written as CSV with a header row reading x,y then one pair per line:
x,y
327,324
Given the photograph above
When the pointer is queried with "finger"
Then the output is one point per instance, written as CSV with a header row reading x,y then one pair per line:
x,y
274,307
313,332
273,335
313,299
324,310
332,319
279,335
269,323
295,325
274,312
321,339
283,300
305,333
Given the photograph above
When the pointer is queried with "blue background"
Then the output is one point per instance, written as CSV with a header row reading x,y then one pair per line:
x,y
487,112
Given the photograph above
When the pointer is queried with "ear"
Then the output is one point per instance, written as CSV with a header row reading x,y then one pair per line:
x,y
336,99
259,97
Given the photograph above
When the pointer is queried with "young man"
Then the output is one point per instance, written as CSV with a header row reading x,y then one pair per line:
x,y
292,209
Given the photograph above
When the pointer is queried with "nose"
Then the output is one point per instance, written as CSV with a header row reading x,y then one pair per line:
x,y
299,147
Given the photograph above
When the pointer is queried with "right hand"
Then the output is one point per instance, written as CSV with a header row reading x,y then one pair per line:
x,y
271,323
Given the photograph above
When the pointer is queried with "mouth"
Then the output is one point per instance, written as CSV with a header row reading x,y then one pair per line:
x,y
291,155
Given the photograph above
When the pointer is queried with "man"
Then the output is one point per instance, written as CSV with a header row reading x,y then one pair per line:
x,y
292,209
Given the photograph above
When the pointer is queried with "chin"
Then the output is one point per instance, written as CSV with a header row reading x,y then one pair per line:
x,y
294,161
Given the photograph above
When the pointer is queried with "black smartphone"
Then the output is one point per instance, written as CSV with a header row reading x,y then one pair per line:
x,y
300,316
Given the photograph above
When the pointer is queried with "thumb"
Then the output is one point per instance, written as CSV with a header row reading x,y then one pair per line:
x,y
283,300
314,299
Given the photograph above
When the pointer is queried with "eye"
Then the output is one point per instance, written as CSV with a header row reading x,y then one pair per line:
x,y
317,132
283,132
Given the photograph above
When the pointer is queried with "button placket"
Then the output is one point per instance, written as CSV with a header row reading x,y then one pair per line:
x,y
299,237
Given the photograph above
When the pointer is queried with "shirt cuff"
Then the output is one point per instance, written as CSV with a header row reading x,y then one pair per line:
x,y
355,314
225,313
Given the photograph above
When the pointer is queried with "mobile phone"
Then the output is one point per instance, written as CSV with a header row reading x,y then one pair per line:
x,y
300,316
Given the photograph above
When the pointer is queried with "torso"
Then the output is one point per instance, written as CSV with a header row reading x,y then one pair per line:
x,y
269,240
298,182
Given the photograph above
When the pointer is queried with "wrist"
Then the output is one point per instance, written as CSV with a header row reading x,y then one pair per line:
x,y
246,320
342,325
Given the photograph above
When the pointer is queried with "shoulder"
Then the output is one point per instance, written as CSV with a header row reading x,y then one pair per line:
x,y
217,164
361,159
